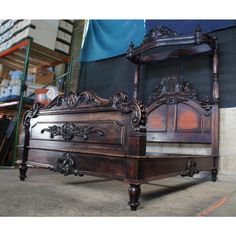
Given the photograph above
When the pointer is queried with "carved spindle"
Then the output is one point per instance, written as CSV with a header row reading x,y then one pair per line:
x,y
198,33
136,82
134,193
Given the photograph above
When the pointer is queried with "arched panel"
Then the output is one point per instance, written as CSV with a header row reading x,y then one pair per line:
x,y
188,119
157,119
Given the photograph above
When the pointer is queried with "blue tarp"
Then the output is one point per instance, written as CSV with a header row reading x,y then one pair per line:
x,y
110,38
187,27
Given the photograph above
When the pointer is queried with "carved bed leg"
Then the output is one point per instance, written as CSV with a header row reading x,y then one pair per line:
x,y
134,192
23,169
214,175
23,166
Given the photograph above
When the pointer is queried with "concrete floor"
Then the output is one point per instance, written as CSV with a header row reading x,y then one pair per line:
x,y
45,193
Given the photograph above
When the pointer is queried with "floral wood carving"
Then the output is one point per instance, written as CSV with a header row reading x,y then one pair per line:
x,y
66,165
191,169
69,130
172,89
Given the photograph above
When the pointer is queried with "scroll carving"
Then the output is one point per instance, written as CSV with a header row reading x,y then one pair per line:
x,y
32,113
172,90
191,169
76,99
120,102
69,130
66,165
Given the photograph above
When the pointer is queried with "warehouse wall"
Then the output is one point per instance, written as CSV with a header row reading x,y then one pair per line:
x,y
107,76
228,143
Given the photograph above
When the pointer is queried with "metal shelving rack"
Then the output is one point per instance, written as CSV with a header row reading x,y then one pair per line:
x,y
22,56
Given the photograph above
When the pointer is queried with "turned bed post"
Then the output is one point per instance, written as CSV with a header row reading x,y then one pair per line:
x,y
215,118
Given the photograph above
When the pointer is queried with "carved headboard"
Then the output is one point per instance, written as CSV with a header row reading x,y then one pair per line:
x,y
175,115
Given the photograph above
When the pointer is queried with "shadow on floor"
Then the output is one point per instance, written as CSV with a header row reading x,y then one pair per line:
x,y
88,181
169,189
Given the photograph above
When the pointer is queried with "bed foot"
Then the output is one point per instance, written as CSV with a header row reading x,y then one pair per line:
x,y
134,193
23,169
214,175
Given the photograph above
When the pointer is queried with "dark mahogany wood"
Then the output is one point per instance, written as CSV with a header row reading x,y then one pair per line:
x,y
214,175
134,193
23,169
83,134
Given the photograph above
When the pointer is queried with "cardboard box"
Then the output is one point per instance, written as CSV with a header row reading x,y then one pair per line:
x,y
64,36
61,47
44,77
4,72
66,25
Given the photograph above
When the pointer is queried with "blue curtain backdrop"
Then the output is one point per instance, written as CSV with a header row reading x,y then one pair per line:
x,y
187,27
110,38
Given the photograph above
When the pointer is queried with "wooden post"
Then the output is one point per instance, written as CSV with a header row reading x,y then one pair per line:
x,y
215,73
216,112
136,81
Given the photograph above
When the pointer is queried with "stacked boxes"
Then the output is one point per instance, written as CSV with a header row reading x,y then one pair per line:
x,y
64,35
53,34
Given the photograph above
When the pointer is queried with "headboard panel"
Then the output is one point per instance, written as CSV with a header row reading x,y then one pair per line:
x,y
176,115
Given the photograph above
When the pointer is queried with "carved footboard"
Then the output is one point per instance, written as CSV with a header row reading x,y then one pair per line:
x,y
84,134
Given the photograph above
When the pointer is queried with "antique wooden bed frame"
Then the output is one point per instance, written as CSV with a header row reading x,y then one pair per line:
x,y
85,134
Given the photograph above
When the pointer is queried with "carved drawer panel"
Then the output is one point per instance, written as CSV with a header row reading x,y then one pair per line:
x,y
106,132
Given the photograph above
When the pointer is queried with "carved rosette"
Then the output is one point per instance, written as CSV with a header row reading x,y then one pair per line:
x,y
69,130
66,165
172,90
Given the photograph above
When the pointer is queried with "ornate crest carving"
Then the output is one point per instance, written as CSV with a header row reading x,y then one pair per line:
x,y
69,130
172,89
66,165
191,169
159,32
76,99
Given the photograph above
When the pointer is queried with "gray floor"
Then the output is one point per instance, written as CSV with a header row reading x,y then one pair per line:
x,y
50,194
